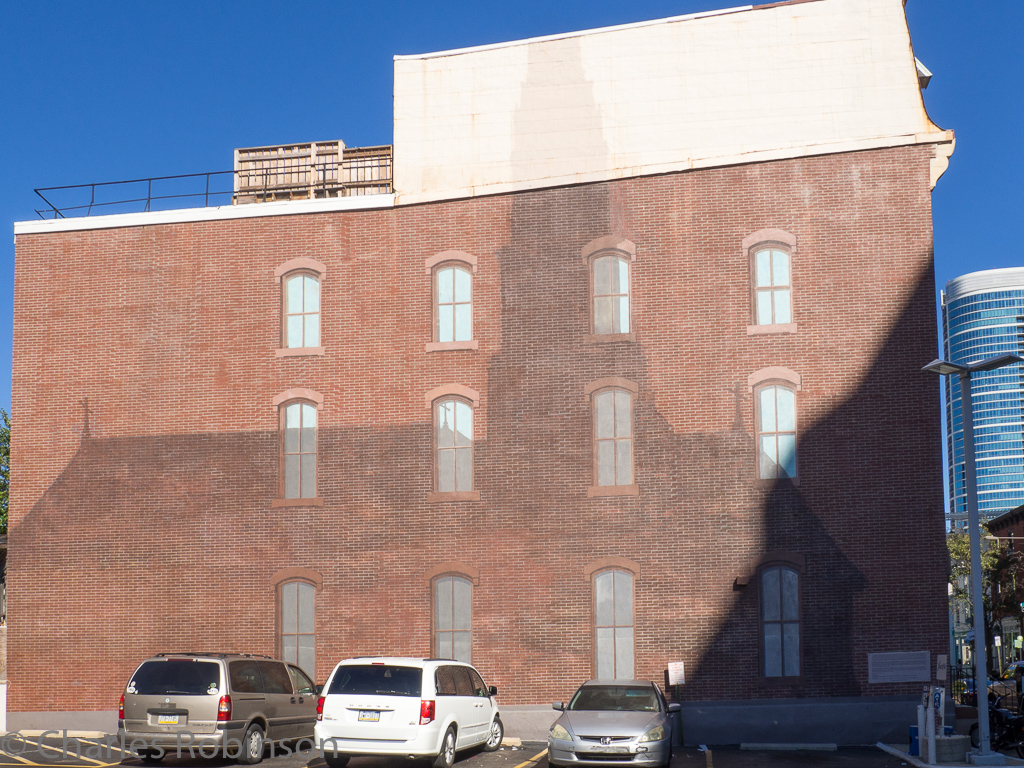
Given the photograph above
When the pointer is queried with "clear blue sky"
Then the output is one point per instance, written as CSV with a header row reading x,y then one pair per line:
x,y
101,91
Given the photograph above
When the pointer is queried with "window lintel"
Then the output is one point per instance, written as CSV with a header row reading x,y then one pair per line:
x,y
767,236
440,258
297,574
774,373
612,563
295,265
609,243
299,393
453,390
610,382
453,568
777,557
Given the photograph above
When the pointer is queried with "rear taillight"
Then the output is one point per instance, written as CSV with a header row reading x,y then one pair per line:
x,y
120,708
224,709
426,711
320,708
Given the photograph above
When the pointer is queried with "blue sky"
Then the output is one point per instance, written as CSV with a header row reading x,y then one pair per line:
x,y
102,91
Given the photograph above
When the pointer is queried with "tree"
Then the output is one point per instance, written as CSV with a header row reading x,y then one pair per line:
x,y
1002,576
5,466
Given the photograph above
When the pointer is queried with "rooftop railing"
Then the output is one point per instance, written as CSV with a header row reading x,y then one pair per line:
x,y
261,174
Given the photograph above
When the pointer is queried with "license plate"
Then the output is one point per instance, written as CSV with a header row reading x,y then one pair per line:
x,y
369,715
167,719
611,750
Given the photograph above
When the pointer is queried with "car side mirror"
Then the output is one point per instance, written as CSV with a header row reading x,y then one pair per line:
x,y
673,707
558,705
319,689
492,690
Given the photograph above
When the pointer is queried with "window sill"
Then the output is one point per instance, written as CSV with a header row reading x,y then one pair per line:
x,y
315,501
771,482
613,490
782,682
759,330
453,496
443,346
298,351
609,338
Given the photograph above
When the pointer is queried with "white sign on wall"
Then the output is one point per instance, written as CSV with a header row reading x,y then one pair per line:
x,y
676,674
900,667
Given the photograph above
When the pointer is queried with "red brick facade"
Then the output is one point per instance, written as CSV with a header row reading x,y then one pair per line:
x,y
146,447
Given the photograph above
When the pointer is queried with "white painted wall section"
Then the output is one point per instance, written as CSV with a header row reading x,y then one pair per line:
x,y
739,86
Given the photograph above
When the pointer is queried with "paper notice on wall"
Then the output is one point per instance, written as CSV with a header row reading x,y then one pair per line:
x,y
676,674
941,667
900,667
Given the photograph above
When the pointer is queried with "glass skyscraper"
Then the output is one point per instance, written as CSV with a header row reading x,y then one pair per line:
x,y
983,316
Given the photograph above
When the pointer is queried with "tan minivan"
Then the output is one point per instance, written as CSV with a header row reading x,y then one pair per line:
x,y
214,704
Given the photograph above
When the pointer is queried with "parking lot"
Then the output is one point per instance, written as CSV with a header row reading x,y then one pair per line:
x,y
25,751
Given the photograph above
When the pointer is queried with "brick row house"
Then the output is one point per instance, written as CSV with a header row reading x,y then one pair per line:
x,y
622,372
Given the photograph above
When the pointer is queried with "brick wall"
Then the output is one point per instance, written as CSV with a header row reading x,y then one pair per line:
x,y
145,453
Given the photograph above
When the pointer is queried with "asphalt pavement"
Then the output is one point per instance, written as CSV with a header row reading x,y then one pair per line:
x,y
32,751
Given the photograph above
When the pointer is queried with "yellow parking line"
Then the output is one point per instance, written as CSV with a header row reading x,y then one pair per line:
x,y
532,760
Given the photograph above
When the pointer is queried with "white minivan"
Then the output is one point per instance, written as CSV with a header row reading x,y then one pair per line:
x,y
408,707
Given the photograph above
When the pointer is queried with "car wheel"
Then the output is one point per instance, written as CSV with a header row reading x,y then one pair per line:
x,y
975,737
495,736
252,746
446,757
335,760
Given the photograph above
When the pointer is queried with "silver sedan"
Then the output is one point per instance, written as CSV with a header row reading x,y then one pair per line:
x,y
613,723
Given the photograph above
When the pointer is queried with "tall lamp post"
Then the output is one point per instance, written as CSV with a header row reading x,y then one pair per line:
x,y
943,368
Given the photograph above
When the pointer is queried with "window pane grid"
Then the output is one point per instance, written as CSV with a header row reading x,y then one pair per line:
x,y
610,292
453,618
453,304
776,427
302,311
454,438
780,622
613,437
297,625
613,625
772,289
299,447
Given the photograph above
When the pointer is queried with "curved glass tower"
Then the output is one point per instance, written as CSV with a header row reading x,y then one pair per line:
x,y
983,316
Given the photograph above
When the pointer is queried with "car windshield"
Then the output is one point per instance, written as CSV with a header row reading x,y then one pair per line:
x,y
182,677
615,698
379,679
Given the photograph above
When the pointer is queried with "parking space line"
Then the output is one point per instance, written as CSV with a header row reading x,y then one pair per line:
x,y
38,744
532,760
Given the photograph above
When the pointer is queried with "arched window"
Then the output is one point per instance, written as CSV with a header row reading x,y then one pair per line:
x,y
613,437
298,449
297,622
772,285
613,625
776,431
780,621
610,294
301,324
453,617
453,303
453,438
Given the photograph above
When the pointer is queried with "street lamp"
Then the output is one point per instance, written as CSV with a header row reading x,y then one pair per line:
x,y
944,368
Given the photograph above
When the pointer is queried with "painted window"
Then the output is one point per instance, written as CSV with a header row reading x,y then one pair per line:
x,y
453,421
301,310
453,303
453,618
613,625
776,432
613,437
298,427
780,621
297,622
772,288
610,294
